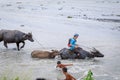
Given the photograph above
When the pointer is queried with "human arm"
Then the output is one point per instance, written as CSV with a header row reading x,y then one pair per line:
x,y
67,64
56,66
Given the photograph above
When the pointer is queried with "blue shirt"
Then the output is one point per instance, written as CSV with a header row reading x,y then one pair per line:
x,y
72,43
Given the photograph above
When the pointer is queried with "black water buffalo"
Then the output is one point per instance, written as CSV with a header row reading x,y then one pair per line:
x,y
14,36
79,53
1,38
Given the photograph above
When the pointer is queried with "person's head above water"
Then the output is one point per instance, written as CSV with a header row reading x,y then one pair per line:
x,y
64,69
76,36
58,62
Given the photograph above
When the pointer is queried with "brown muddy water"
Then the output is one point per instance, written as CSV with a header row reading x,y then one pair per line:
x,y
19,63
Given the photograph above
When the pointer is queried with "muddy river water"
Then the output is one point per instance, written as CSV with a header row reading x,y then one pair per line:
x,y
52,23
19,63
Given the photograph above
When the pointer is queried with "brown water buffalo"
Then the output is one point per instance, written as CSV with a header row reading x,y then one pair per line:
x,y
15,36
44,54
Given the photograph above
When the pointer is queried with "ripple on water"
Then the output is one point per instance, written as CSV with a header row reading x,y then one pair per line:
x,y
15,61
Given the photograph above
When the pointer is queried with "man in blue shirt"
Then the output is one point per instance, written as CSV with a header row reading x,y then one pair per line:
x,y
73,47
72,42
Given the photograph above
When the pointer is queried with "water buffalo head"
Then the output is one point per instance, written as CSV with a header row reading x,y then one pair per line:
x,y
97,53
28,37
54,53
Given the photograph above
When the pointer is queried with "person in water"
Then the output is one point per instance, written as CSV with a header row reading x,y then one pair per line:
x,y
67,75
73,47
72,42
62,65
